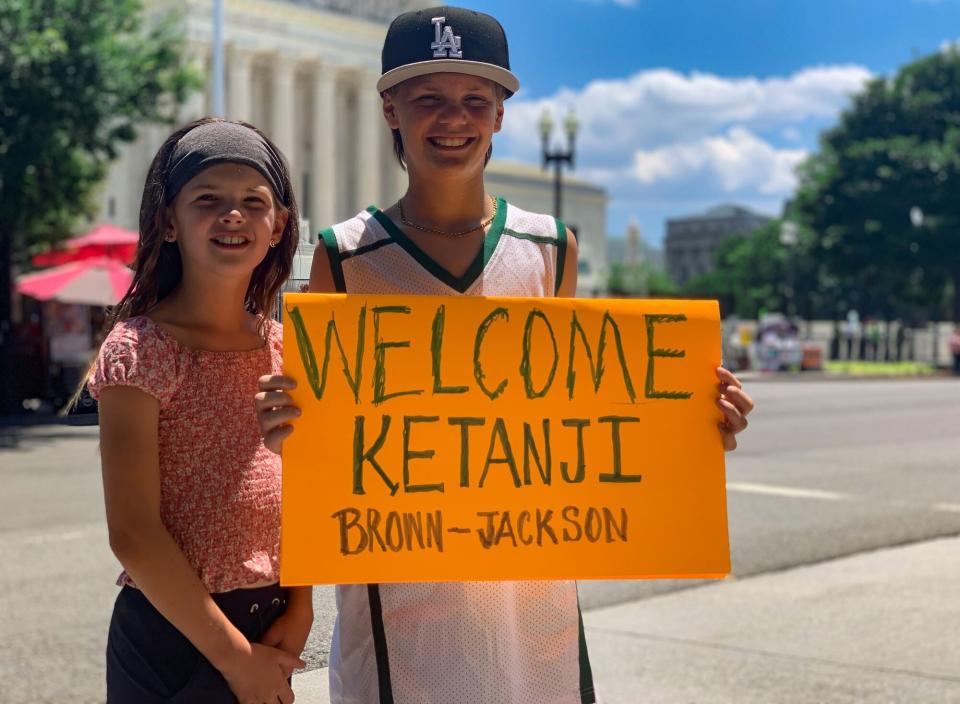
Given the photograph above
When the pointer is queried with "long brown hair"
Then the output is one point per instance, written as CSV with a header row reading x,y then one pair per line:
x,y
157,268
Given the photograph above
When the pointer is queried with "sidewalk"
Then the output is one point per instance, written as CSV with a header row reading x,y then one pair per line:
x,y
877,627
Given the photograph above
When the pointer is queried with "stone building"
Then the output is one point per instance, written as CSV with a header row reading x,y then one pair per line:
x,y
305,72
692,241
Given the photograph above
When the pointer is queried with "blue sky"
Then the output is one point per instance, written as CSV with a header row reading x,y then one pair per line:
x,y
688,103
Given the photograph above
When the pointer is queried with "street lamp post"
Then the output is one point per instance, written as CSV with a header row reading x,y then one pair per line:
x,y
789,236
558,157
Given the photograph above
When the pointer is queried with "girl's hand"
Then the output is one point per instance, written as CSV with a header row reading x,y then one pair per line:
x,y
735,404
260,675
275,410
289,632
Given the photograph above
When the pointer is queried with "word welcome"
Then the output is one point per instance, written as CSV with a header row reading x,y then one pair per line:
x,y
537,382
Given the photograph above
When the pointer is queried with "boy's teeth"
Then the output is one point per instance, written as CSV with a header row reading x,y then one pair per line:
x,y
450,142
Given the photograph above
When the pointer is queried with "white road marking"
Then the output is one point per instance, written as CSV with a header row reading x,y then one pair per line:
x,y
790,492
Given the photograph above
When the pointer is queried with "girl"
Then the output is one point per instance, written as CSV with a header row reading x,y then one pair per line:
x,y
192,496
446,74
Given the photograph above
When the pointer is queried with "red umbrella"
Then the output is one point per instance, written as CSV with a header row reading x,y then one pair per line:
x,y
92,282
102,241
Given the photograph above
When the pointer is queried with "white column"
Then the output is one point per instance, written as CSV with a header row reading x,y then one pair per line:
x,y
195,105
238,85
283,129
323,136
369,154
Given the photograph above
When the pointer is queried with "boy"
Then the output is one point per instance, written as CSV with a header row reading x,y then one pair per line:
x,y
446,74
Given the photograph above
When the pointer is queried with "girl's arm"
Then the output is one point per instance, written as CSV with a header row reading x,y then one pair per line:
x,y
275,409
131,486
291,630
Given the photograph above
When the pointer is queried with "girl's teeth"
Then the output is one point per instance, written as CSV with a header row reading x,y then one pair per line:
x,y
230,240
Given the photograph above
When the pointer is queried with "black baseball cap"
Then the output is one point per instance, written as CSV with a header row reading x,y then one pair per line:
x,y
446,40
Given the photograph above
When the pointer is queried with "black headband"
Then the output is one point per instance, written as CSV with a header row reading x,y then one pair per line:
x,y
218,143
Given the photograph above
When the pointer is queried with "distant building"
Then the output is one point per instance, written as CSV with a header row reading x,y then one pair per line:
x,y
584,211
692,241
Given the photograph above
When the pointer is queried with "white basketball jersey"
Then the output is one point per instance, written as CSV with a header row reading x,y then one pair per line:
x,y
456,642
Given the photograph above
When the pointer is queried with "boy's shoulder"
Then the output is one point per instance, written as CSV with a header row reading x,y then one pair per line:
x,y
520,223
355,231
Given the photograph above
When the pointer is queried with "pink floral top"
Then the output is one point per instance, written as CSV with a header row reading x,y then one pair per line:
x,y
219,486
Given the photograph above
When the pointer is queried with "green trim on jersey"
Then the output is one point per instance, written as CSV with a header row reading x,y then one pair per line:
x,y
457,283
561,254
333,255
373,246
384,683
588,693
539,239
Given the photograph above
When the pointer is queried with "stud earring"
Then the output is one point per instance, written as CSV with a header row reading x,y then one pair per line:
x,y
274,243
169,237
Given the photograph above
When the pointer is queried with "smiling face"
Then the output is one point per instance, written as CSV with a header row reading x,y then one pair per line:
x,y
446,120
224,220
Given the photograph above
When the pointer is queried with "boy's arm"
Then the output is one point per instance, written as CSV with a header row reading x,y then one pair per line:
x,y
321,273
568,285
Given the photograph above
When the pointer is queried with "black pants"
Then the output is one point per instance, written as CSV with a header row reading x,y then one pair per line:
x,y
149,661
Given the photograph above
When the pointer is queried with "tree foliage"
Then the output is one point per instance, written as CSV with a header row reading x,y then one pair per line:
x,y
896,151
75,79
755,272
640,279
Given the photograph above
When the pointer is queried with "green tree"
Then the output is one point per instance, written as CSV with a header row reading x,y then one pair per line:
x,y
75,77
640,279
756,271
883,192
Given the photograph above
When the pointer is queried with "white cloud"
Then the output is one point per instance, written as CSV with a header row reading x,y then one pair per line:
x,y
739,161
660,137
791,134
660,106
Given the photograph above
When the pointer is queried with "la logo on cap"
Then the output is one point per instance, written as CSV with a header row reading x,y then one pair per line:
x,y
445,45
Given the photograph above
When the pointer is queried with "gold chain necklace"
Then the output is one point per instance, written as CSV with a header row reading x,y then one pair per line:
x,y
451,235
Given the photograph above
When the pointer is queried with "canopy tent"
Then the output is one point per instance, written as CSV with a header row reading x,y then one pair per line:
x,y
92,282
102,241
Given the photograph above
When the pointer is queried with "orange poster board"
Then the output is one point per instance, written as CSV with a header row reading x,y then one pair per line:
x,y
447,438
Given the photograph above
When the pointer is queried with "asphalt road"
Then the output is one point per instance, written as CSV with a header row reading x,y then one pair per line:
x,y
827,469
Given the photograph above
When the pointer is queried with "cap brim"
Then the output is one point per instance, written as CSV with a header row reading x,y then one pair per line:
x,y
472,68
